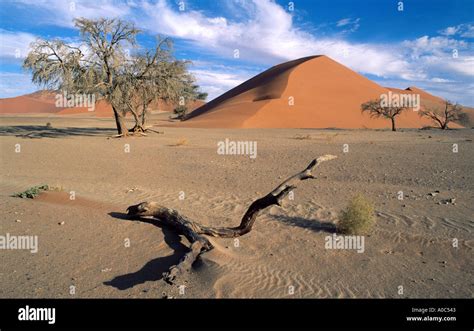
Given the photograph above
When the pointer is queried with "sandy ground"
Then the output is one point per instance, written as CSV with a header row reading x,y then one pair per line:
x,y
411,245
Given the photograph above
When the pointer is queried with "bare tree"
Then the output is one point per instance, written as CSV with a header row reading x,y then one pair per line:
x,y
103,65
376,110
192,93
196,232
442,116
54,64
92,68
156,76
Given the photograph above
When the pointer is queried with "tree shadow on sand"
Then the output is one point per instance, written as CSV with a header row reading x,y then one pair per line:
x,y
311,224
43,131
154,269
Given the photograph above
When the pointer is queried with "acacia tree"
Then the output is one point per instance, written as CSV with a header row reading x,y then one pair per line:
x,y
103,66
54,64
156,76
93,68
192,93
376,110
442,117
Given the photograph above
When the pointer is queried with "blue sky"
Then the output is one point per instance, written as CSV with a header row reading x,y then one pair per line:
x,y
428,44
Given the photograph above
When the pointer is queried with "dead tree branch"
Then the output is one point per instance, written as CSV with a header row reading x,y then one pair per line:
x,y
195,232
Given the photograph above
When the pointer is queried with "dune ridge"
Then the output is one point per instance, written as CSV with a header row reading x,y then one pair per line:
x,y
266,86
312,92
37,102
44,102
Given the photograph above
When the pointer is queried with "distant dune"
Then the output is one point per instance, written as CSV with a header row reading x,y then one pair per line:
x,y
312,92
431,101
34,103
103,109
44,102
427,99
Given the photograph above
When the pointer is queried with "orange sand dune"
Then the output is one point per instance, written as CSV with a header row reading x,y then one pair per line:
x,y
427,100
37,102
324,94
43,101
103,109
431,101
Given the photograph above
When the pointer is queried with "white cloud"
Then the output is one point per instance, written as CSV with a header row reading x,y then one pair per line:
x,y
265,34
463,30
15,84
15,44
462,65
226,79
216,81
441,54
343,22
62,13
468,32
449,31
438,45
269,37
441,80
349,24
449,90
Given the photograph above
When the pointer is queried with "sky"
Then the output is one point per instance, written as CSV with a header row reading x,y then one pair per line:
x,y
396,43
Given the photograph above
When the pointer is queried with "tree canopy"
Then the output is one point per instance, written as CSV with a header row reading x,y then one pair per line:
x,y
109,64
376,110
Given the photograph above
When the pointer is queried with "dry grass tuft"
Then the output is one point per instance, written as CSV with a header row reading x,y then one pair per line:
x,y
303,137
181,142
358,217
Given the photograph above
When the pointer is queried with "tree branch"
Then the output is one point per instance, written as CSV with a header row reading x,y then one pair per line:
x,y
195,232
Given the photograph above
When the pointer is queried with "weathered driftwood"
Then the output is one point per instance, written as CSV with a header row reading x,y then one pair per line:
x,y
195,232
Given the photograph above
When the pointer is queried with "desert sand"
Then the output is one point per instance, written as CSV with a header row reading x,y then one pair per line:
x,y
410,246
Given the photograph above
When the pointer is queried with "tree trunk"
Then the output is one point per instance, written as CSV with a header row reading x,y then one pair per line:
x,y
440,122
120,122
393,124
144,117
195,232
146,103
137,127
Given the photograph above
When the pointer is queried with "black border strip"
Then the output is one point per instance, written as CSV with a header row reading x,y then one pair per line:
x,y
290,314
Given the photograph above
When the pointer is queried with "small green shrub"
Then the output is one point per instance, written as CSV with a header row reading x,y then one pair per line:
x,y
358,217
32,192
